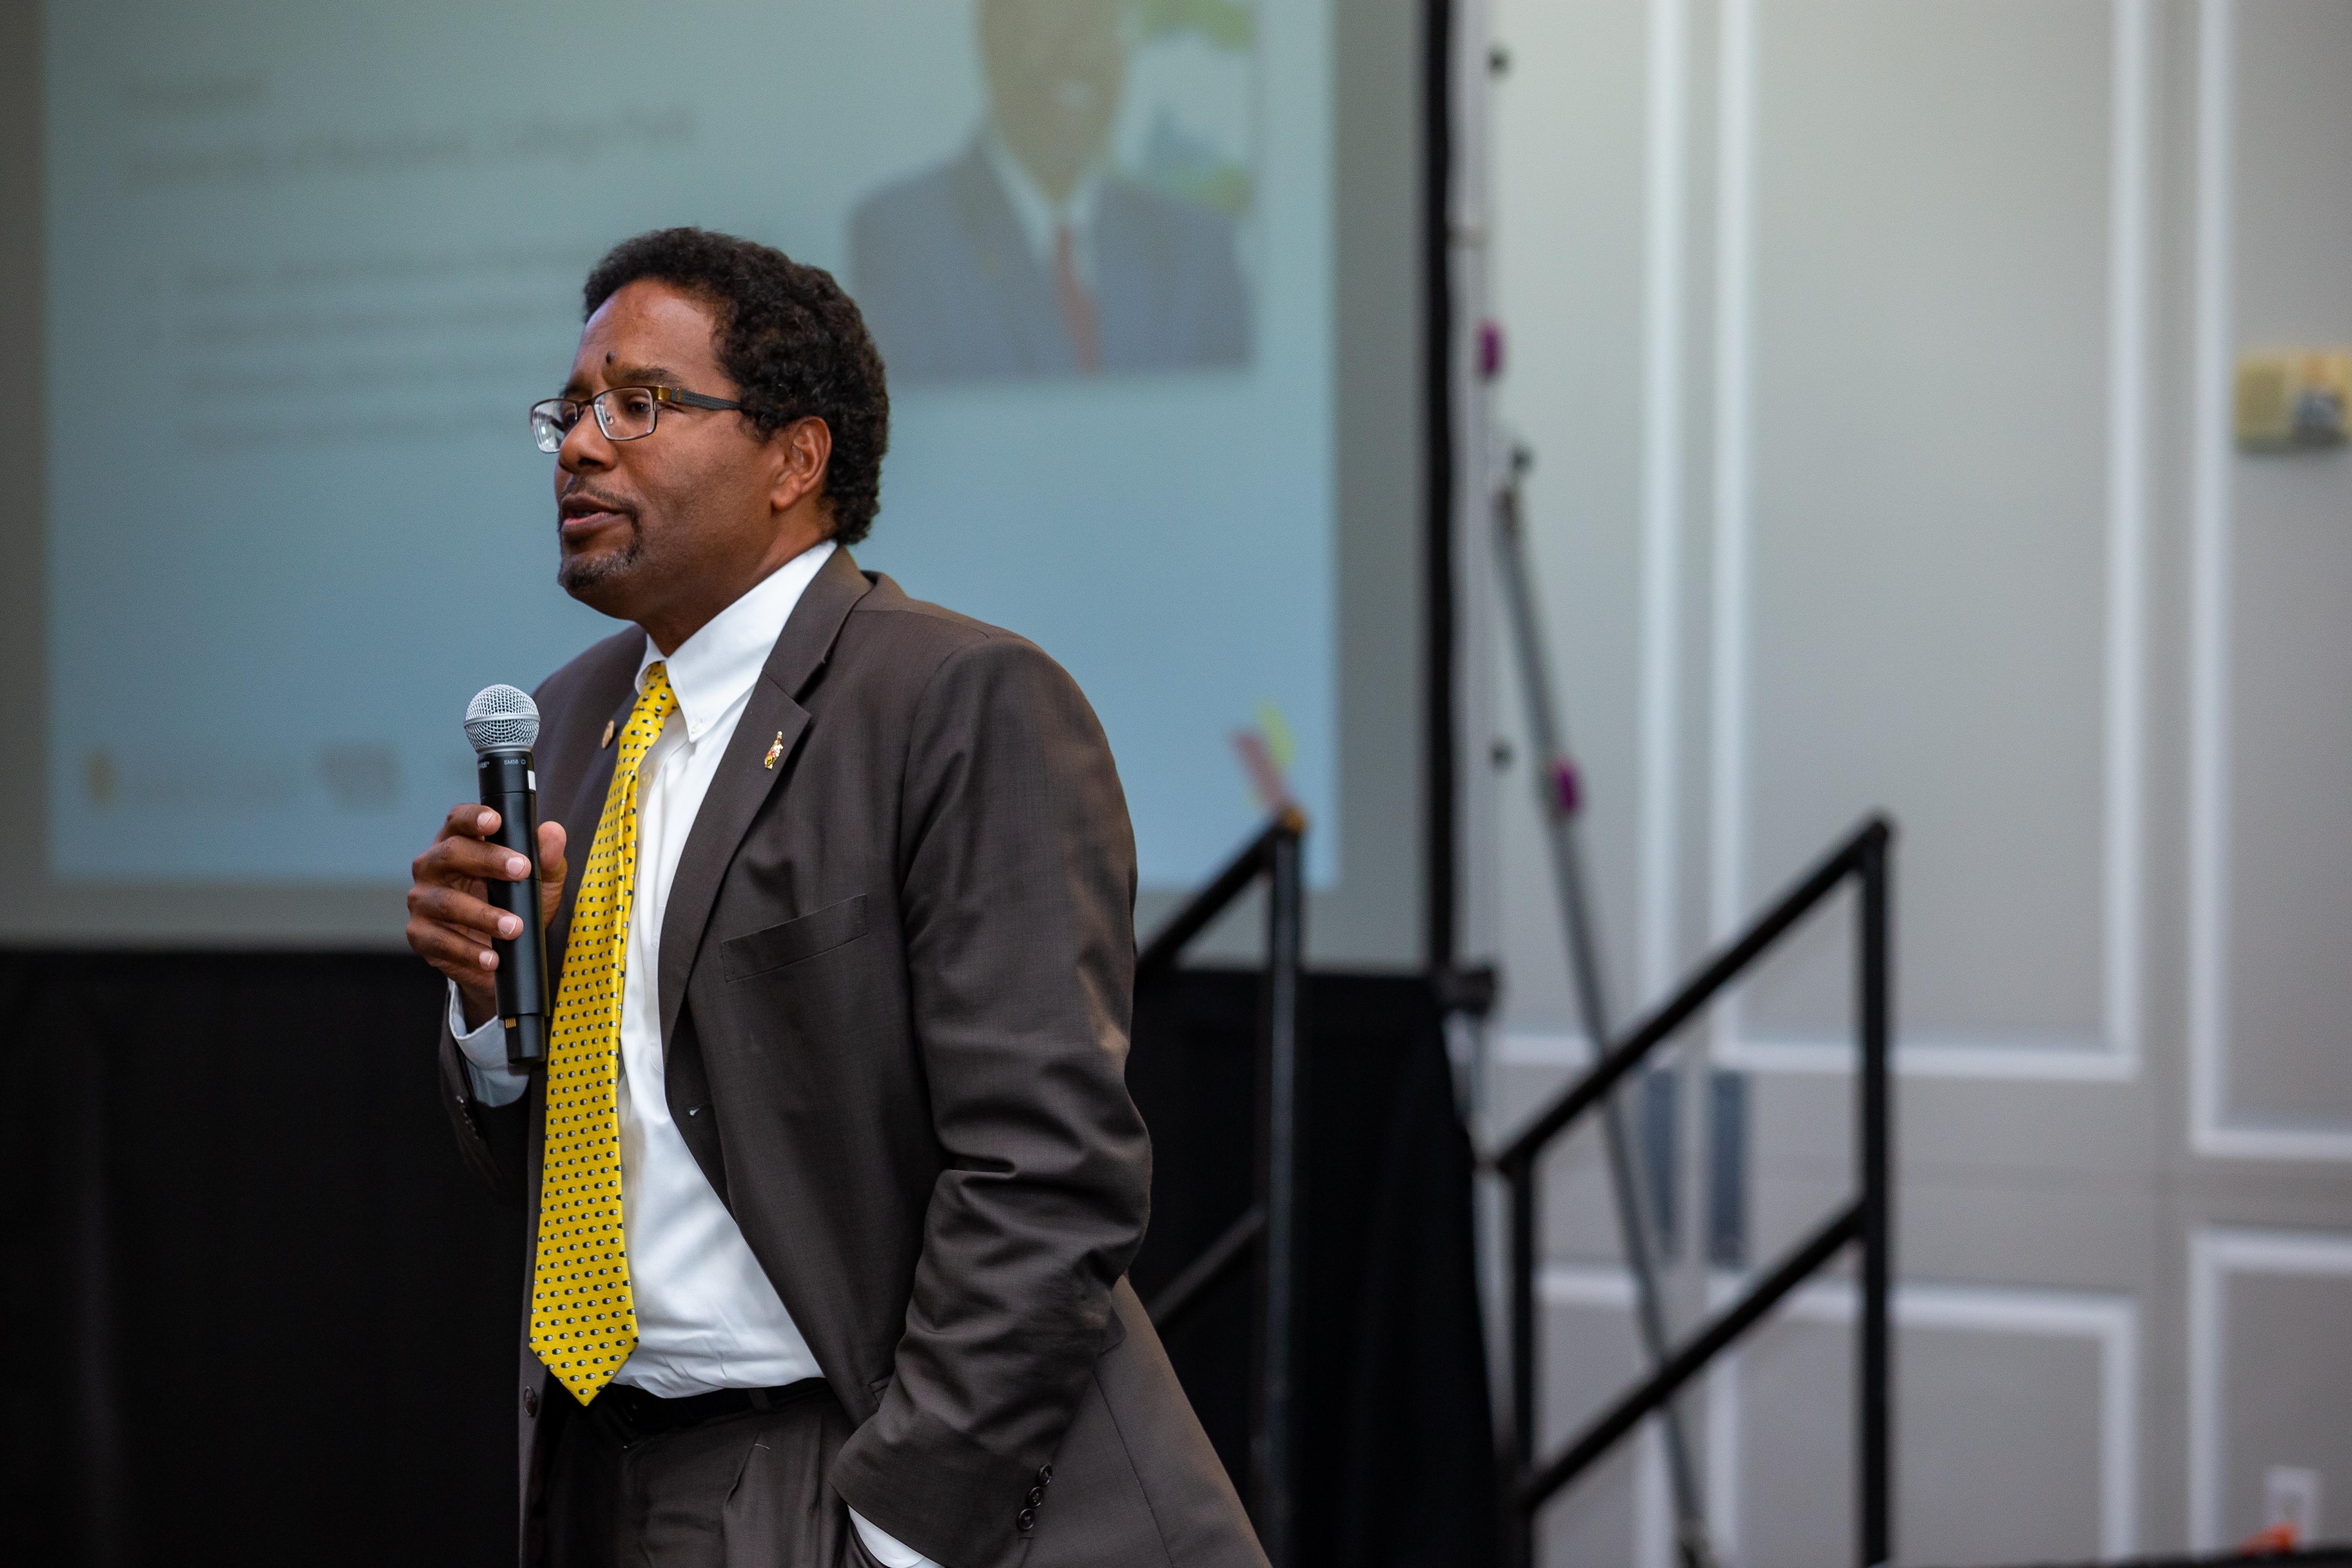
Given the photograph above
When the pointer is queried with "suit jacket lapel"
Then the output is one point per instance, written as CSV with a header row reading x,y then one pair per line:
x,y
771,716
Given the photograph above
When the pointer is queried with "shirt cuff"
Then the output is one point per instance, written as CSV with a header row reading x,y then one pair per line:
x,y
485,1051
884,1550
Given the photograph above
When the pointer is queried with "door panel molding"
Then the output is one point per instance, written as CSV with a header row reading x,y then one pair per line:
x,y
2215,1253
2213,1131
2115,1055
1666,200
2111,1322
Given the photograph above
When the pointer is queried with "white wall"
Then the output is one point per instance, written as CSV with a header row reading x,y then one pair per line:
x,y
1874,356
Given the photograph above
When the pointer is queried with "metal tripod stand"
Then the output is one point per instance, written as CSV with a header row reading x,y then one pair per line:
x,y
1559,795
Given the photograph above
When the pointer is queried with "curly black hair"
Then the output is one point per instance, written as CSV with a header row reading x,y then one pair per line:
x,y
792,341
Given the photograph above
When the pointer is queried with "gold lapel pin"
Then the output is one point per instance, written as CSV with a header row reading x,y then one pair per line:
x,y
775,750
608,736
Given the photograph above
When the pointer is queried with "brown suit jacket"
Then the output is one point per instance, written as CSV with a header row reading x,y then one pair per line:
x,y
896,976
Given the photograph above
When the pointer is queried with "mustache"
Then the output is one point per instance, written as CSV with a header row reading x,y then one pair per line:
x,y
580,497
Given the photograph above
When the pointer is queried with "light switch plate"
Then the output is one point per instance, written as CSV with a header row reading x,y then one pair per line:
x,y
2293,399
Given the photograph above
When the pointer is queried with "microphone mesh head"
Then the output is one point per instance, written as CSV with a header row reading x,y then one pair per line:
x,y
501,719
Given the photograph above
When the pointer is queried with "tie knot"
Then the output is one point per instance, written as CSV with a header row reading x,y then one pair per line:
x,y
655,703
656,700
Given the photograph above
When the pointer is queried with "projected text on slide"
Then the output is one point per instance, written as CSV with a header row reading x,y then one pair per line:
x,y
308,265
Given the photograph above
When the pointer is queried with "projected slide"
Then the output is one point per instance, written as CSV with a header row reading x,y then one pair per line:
x,y
309,266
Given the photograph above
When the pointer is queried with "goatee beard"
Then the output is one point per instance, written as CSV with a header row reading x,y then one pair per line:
x,y
581,576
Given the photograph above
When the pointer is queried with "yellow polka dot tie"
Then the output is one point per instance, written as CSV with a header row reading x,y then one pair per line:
x,y
583,1323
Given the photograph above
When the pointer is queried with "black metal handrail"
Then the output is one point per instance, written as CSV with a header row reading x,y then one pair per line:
x,y
1267,1232
1529,1483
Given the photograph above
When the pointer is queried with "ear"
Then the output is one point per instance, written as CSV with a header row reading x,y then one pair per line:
x,y
803,449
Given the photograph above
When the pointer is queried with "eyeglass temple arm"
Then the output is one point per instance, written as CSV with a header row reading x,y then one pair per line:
x,y
692,399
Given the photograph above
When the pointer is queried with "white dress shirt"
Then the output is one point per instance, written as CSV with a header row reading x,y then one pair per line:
x,y
1040,216
708,1316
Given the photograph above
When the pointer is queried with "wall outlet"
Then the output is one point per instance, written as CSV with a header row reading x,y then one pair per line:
x,y
2290,1501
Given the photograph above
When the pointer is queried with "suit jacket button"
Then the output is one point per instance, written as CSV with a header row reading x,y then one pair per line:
x,y
1036,1496
530,1402
1045,1475
1026,1521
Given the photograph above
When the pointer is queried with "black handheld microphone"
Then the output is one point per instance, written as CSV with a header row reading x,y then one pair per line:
x,y
502,723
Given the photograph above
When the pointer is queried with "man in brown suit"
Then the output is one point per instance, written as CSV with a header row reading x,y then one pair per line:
x,y
842,1129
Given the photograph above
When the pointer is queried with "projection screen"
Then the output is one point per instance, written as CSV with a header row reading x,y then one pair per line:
x,y
297,271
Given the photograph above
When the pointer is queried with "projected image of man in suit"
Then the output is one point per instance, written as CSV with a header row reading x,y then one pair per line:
x,y
1029,254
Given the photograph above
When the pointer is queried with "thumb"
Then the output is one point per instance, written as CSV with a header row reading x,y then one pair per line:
x,y
551,868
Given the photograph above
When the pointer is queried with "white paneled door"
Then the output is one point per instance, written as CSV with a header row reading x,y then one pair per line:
x,y
1876,357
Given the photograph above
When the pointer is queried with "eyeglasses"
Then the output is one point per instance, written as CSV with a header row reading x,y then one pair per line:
x,y
623,412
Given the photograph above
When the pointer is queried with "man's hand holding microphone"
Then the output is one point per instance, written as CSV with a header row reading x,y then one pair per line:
x,y
451,922
470,912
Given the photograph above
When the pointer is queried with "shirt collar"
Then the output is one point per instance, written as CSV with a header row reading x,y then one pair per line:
x,y
1039,215
715,669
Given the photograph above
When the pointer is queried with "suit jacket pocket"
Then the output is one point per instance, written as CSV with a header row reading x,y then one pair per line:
x,y
805,936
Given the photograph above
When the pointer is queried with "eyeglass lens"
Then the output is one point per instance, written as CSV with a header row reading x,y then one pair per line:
x,y
624,414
